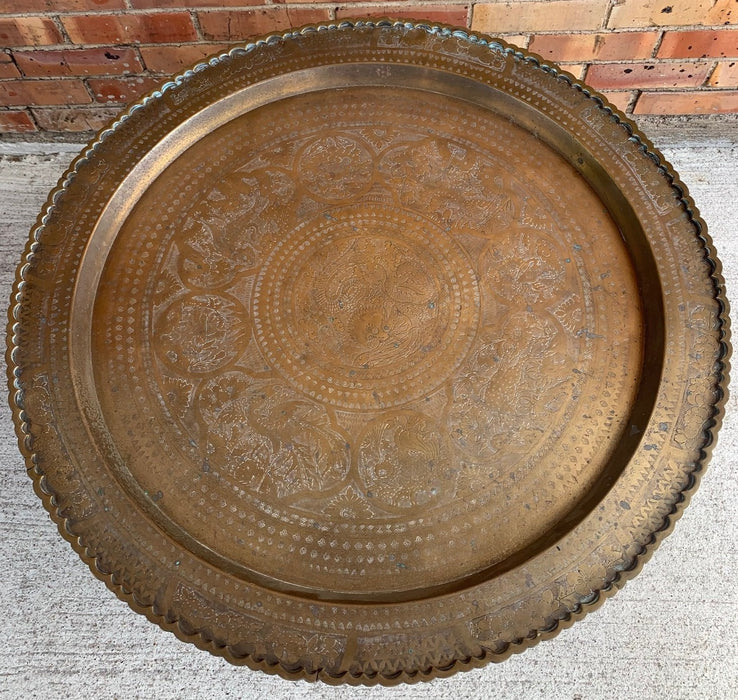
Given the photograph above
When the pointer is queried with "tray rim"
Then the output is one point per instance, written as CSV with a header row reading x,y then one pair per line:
x,y
709,432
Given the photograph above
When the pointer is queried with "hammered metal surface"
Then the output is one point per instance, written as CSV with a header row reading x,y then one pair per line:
x,y
367,353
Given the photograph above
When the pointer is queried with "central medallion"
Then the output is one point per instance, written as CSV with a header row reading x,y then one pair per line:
x,y
366,309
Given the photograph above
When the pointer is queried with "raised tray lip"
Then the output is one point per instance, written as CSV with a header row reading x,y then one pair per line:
x,y
203,641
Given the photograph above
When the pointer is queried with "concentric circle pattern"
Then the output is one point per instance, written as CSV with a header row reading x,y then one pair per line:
x,y
361,307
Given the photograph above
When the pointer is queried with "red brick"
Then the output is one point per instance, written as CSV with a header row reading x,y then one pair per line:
x,y
700,43
29,31
445,14
173,59
725,75
623,76
43,92
164,27
654,13
18,6
594,47
170,4
576,69
543,15
218,26
7,67
619,99
521,41
121,90
16,121
692,102
113,61
75,118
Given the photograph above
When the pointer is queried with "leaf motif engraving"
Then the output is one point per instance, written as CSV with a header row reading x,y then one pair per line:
x,y
200,333
270,439
510,385
451,182
526,267
336,167
404,462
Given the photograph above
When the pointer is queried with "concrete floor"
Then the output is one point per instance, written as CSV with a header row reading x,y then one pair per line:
x,y
671,633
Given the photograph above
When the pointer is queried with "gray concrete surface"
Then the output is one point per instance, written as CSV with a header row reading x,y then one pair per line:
x,y
671,633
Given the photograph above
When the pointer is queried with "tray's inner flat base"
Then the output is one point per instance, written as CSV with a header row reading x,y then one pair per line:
x,y
362,342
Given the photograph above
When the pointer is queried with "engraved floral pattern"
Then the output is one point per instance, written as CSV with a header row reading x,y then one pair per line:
x,y
525,267
232,225
200,333
336,167
403,461
451,182
378,306
374,297
268,438
509,387
348,505
358,307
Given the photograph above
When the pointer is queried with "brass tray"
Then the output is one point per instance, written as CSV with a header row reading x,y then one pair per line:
x,y
367,353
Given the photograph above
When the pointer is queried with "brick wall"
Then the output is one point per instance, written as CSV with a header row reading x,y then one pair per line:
x,y
70,65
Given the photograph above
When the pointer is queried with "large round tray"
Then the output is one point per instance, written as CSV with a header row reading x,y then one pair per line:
x,y
367,353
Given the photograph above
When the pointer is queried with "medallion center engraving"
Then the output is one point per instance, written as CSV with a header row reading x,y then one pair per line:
x,y
360,307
